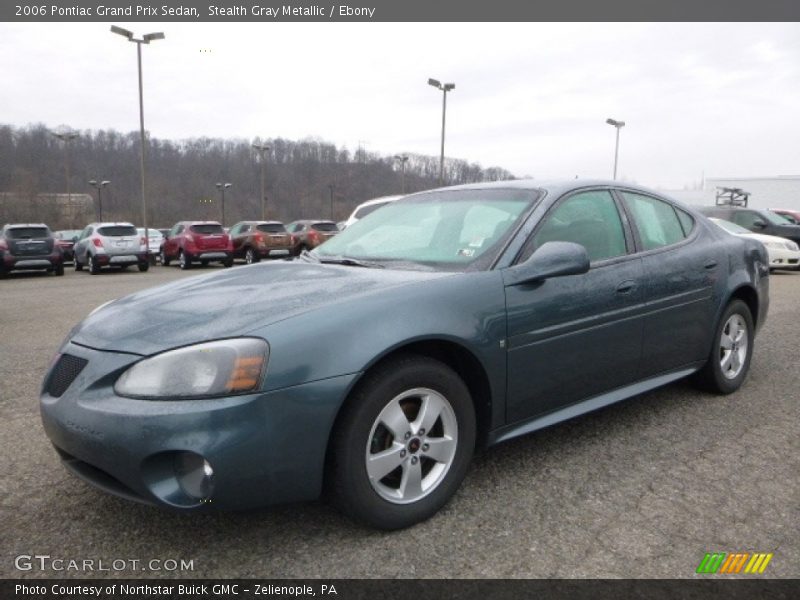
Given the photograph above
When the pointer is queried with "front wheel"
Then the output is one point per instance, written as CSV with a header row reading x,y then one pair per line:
x,y
402,445
78,266
164,259
59,270
144,266
729,361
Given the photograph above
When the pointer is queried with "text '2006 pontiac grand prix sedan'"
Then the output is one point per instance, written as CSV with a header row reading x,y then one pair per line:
x,y
372,367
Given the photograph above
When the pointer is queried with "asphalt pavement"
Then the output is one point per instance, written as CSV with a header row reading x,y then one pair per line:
x,y
641,489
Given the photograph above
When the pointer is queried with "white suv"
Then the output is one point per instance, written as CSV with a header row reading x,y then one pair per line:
x,y
110,245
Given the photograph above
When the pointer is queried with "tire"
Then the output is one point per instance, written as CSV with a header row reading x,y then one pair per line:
x,y
227,263
384,501
78,266
59,270
183,261
731,352
164,259
251,257
203,263
93,267
144,266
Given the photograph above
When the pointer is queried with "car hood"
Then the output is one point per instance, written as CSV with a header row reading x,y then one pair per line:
x,y
231,303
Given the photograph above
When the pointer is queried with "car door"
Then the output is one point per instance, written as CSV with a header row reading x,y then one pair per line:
x,y
172,244
82,245
236,235
577,336
680,269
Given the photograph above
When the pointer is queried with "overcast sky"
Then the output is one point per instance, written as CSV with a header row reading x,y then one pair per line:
x,y
719,99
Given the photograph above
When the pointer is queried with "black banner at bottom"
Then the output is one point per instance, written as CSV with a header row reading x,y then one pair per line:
x,y
400,589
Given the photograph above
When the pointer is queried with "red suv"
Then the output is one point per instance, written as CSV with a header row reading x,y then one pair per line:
x,y
197,241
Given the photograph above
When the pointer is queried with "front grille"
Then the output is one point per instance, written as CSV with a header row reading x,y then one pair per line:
x,y
63,374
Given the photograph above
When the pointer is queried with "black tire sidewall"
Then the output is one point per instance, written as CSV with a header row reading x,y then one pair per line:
x,y
352,491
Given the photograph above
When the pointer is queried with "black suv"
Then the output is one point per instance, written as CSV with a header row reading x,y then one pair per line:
x,y
29,246
756,220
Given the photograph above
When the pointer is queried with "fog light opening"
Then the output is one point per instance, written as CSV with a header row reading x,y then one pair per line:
x,y
194,475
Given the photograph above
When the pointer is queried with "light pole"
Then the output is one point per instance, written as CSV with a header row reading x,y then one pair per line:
x,y
403,158
262,151
146,39
99,185
66,137
618,125
330,187
445,88
222,187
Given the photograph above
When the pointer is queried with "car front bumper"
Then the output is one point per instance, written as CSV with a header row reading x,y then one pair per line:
x,y
264,448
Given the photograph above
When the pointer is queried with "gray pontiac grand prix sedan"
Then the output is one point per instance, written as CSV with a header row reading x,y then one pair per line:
x,y
370,369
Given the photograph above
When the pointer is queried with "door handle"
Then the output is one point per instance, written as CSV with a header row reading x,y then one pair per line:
x,y
626,287
711,264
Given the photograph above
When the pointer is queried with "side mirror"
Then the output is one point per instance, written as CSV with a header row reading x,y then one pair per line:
x,y
552,259
759,224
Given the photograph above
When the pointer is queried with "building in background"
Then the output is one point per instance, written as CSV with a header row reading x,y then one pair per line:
x,y
765,192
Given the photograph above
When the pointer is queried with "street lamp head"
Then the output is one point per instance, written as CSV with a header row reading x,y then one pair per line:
x,y
105,182
122,32
449,86
434,83
615,123
227,185
152,36
92,182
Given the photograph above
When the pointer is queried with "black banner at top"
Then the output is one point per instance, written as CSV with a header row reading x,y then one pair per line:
x,y
398,10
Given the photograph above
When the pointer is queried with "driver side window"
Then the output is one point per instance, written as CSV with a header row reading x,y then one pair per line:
x,y
588,218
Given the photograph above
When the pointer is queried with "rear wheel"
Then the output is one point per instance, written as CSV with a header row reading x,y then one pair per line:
x,y
91,264
227,263
251,257
183,261
144,266
78,266
164,259
59,270
402,445
729,361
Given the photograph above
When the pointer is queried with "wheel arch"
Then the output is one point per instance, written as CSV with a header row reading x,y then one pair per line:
x,y
749,296
456,356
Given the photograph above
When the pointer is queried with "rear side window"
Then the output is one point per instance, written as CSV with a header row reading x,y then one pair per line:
x,y
27,233
324,227
271,228
656,220
207,228
687,222
590,219
117,230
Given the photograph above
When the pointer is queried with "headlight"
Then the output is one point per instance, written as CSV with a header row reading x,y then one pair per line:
x,y
220,368
791,245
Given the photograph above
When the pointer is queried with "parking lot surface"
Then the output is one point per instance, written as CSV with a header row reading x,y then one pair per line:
x,y
641,489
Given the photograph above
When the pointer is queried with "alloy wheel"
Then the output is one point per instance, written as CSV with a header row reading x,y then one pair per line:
x,y
733,346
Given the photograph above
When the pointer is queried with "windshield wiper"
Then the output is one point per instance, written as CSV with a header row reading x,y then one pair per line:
x,y
350,262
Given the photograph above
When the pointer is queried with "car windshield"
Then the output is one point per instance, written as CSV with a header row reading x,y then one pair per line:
x,y
207,228
151,233
775,219
365,210
271,228
117,230
324,226
731,227
782,219
27,233
448,231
